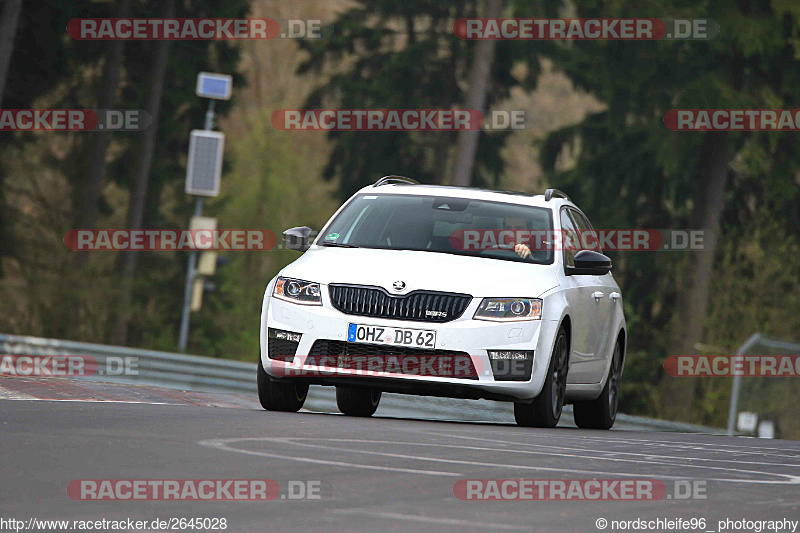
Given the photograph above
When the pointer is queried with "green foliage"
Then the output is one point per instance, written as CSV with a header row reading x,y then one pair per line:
x,y
268,186
404,56
631,171
627,170
50,70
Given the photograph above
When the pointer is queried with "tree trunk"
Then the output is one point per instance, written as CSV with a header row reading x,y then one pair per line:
x,y
709,196
8,29
142,177
467,144
97,157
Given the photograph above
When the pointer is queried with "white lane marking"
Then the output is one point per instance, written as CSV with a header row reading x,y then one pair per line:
x,y
672,445
677,458
222,444
732,449
735,448
32,399
667,443
790,479
431,520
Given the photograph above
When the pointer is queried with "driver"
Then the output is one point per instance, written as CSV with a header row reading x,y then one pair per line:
x,y
520,224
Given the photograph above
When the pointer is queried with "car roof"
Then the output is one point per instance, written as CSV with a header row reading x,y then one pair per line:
x,y
475,193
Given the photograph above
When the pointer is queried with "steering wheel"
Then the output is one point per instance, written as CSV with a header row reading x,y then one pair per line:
x,y
502,249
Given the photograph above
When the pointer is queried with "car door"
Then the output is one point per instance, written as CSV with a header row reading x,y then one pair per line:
x,y
578,291
602,303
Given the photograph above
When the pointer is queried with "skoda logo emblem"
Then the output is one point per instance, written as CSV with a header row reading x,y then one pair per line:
x,y
399,285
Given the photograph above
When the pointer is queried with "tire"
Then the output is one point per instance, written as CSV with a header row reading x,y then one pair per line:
x,y
545,410
280,395
357,402
601,412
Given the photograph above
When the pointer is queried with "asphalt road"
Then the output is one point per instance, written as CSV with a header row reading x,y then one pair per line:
x,y
376,474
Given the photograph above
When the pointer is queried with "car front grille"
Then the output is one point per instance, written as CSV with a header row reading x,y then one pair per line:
x,y
424,306
392,359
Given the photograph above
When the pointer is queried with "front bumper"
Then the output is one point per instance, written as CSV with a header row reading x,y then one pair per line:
x,y
473,338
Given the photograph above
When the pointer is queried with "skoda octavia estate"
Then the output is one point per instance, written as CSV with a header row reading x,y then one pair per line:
x,y
447,291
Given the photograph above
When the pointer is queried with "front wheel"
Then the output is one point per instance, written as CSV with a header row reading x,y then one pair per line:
x,y
545,411
601,412
280,395
357,402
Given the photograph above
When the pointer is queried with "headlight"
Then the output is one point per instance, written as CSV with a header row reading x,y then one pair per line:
x,y
298,291
509,309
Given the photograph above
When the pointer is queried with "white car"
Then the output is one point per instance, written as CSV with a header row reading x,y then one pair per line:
x,y
447,291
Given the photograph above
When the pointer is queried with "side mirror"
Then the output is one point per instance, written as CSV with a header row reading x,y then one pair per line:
x,y
588,262
297,238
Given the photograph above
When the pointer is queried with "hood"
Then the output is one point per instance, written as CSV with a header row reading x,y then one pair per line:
x,y
477,276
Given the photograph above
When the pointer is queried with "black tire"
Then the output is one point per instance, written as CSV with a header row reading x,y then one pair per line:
x,y
280,395
601,412
545,410
357,402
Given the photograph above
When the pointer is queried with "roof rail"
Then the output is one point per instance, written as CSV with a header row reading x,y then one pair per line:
x,y
386,180
549,193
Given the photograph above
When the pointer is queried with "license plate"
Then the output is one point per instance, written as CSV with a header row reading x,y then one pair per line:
x,y
418,338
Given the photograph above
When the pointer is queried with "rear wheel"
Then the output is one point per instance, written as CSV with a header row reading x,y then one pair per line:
x,y
280,395
357,402
601,412
545,411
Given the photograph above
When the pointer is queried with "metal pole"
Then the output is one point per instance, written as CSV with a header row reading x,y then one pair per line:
x,y
191,267
183,336
737,383
210,116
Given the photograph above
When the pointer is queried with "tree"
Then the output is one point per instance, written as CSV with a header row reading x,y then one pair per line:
x,y
636,173
476,98
390,55
38,59
8,30
142,177
180,111
100,139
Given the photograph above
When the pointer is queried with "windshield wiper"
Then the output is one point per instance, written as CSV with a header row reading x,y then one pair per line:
x,y
338,245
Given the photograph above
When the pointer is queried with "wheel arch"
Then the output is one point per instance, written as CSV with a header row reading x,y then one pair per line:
x,y
566,322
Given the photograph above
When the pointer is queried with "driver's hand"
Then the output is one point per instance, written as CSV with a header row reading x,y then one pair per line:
x,y
522,250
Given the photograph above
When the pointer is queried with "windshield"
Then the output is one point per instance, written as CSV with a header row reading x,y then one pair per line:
x,y
441,224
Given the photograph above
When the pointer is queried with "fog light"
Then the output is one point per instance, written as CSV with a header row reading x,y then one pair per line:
x,y
285,335
511,365
282,345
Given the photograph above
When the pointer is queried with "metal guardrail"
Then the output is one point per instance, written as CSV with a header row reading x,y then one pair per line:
x,y
196,373
756,339
163,369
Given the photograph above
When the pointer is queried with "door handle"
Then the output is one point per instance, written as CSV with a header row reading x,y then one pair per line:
x,y
615,296
597,295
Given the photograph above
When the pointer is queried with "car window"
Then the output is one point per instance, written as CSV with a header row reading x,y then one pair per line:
x,y
588,239
569,238
443,224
